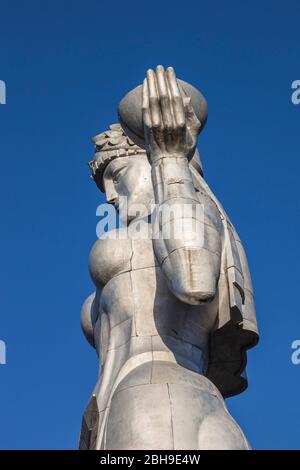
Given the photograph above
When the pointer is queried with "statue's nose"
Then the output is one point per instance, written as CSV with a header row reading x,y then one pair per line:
x,y
111,194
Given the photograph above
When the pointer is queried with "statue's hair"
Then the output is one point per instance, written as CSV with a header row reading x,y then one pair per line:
x,y
111,144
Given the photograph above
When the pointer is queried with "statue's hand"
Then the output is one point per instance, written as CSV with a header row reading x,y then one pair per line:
x,y
171,126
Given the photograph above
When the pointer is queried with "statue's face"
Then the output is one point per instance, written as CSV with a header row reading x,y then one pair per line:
x,y
128,180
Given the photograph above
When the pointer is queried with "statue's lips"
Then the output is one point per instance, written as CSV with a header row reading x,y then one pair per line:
x,y
130,111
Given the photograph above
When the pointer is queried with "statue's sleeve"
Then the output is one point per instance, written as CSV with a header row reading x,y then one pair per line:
x,y
236,329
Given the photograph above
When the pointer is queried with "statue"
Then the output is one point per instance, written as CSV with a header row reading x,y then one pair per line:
x,y
172,316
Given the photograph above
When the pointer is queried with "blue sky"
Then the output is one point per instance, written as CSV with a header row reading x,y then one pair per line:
x,y
66,65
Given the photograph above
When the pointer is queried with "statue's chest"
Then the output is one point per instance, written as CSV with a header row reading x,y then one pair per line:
x,y
111,257
135,295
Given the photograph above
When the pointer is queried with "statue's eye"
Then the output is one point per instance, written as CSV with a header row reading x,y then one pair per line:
x,y
117,174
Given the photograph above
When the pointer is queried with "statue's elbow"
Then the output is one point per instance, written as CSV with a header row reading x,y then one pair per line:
x,y
193,295
193,275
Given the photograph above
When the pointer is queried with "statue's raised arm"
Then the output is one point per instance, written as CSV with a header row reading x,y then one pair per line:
x,y
171,126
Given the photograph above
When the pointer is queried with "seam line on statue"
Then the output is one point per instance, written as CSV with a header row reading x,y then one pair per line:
x,y
120,323
193,218
188,359
196,387
184,247
129,271
159,350
132,287
188,200
171,412
152,357
185,341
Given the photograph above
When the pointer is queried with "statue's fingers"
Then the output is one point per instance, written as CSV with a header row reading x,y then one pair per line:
x,y
164,99
191,118
153,99
176,98
146,105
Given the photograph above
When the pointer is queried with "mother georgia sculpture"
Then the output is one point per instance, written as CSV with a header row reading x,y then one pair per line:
x,y
172,316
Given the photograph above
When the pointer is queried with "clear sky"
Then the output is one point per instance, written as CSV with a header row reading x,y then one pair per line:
x,y
66,65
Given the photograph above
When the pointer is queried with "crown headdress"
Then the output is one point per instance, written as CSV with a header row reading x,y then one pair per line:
x,y
111,144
